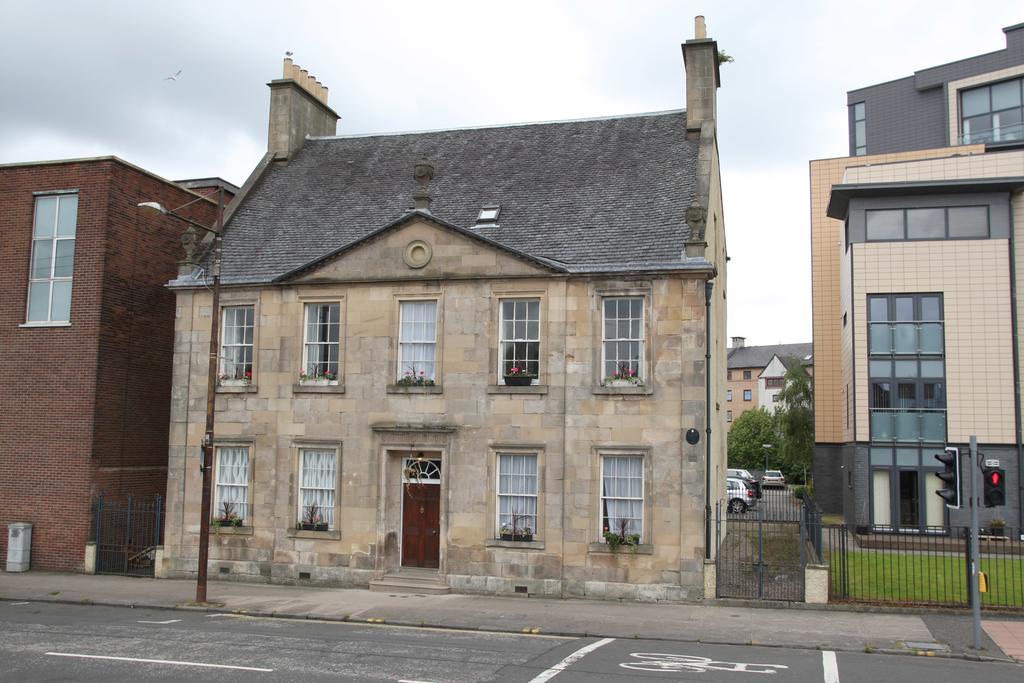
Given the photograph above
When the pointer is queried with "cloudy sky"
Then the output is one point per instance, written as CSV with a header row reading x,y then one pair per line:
x,y
87,79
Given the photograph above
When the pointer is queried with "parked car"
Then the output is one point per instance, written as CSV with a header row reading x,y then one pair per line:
x,y
773,478
740,495
746,476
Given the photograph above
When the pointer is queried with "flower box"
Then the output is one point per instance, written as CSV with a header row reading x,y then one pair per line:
x,y
317,526
519,380
318,382
623,383
234,382
228,521
517,537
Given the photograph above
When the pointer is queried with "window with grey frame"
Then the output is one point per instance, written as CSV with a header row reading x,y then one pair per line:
x,y
906,368
53,259
859,121
931,223
993,113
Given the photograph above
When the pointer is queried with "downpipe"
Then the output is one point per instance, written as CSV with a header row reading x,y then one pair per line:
x,y
708,288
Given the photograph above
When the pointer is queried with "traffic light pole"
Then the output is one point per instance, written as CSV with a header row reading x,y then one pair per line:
x,y
975,594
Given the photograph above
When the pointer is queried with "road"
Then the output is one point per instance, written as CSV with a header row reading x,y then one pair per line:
x,y
46,641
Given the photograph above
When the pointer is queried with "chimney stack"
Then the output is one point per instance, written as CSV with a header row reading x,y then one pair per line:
x,y
738,342
298,107
700,56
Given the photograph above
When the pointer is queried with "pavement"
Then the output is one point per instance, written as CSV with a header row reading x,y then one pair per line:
x,y
931,634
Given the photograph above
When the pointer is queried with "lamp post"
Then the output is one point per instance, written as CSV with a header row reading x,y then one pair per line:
x,y
766,447
211,385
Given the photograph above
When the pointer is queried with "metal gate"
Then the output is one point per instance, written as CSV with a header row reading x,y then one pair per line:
x,y
127,534
762,550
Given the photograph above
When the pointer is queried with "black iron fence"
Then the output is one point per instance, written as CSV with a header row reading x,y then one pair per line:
x,y
127,533
927,569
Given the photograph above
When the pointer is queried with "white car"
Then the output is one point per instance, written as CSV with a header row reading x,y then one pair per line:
x,y
740,495
773,478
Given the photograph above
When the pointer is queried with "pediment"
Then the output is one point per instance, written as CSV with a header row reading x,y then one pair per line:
x,y
418,249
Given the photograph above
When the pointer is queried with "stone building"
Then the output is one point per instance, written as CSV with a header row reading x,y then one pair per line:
x,y
460,384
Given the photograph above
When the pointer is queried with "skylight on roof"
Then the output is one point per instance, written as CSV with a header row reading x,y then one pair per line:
x,y
488,215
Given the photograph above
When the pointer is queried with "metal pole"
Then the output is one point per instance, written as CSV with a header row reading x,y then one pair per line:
x,y
975,595
211,395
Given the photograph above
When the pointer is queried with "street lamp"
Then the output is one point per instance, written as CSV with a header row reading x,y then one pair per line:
x,y
211,386
766,447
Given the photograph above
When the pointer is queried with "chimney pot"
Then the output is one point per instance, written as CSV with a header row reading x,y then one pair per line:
x,y
738,342
700,30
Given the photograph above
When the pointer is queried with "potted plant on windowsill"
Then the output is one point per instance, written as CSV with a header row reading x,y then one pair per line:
x,y
228,516
624,376
517,376
312,520
516,531
235,380
325,378
621,537
997,526
413,379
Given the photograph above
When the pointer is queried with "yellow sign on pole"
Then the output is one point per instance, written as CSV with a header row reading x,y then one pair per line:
x,y
982,582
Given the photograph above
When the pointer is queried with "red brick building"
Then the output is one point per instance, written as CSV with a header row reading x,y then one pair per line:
x,y
86,343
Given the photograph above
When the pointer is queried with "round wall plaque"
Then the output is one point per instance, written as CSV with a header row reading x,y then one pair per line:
x,y
417,254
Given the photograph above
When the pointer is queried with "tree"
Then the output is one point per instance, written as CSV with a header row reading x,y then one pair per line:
x,y
747,437
796,422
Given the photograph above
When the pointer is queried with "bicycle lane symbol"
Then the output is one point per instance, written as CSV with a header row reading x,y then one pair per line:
x,y
656,662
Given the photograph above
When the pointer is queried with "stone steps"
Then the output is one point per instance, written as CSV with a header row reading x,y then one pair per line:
x,y
419,582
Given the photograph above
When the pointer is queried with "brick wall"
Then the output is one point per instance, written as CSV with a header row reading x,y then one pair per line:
x,y
84,408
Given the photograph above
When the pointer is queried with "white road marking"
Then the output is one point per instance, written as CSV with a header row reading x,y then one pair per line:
x,y
831,666
18,603
159,661
169,621
569,661
403,680
219,614
660,662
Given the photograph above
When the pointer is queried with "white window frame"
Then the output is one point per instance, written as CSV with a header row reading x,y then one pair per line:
x,y
230,350
311,346
748,395
55,240
244,511
405,346
500,495
504,342
728,394
602,497
641,340
329,491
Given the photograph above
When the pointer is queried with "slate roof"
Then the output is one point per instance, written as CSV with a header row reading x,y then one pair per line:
x,y
760,356
593,195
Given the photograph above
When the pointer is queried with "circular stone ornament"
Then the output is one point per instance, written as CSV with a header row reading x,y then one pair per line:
x,y
417,254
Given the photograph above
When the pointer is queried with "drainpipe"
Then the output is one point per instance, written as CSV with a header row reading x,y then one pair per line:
x,y
1016,378
708,287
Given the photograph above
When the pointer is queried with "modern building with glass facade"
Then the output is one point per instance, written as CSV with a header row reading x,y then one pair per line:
x,y
915,262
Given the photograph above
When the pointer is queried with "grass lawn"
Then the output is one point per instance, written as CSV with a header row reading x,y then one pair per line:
x,y
877,576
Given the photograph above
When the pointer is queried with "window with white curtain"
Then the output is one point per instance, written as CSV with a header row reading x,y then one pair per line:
x,y
417,340
53,259
517,492
231,494
622,493
318,480
236,342
322,340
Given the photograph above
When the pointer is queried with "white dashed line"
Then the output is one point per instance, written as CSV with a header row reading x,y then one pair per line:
x,y
160,661
169,621
570,660
18,603
831,666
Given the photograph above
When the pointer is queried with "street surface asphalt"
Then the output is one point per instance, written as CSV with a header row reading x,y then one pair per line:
x,y
44,642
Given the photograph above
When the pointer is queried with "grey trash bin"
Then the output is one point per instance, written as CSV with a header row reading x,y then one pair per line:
x,y
19,546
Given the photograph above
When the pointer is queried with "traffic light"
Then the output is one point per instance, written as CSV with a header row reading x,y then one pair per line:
x,y
995,486
950,476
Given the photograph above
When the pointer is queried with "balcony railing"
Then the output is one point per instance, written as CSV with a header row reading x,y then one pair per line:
x,y
905,338
903,425
1008,133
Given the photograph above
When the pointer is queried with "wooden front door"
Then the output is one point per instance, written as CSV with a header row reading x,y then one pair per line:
x,y
421,525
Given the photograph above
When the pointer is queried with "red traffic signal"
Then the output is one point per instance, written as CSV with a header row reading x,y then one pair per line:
x,y
994,493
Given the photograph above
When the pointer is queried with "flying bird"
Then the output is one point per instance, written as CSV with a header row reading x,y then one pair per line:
x,y
288,54
174,77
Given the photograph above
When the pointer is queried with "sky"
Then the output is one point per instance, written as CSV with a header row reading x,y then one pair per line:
x,y
87,79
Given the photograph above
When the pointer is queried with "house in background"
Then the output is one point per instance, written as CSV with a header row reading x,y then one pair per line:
x,y
915,237
86,343
464,385
755,374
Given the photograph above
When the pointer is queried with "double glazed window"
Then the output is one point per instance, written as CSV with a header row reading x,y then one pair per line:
x,y
953,222
417,340
520,336
517,493
231,493
236,347
906,368
322,340
992,113
53,259
318,477
860,144
623,336
622,494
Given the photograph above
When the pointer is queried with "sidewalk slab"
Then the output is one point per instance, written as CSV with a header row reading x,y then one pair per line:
x,y
1008,635
840,630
